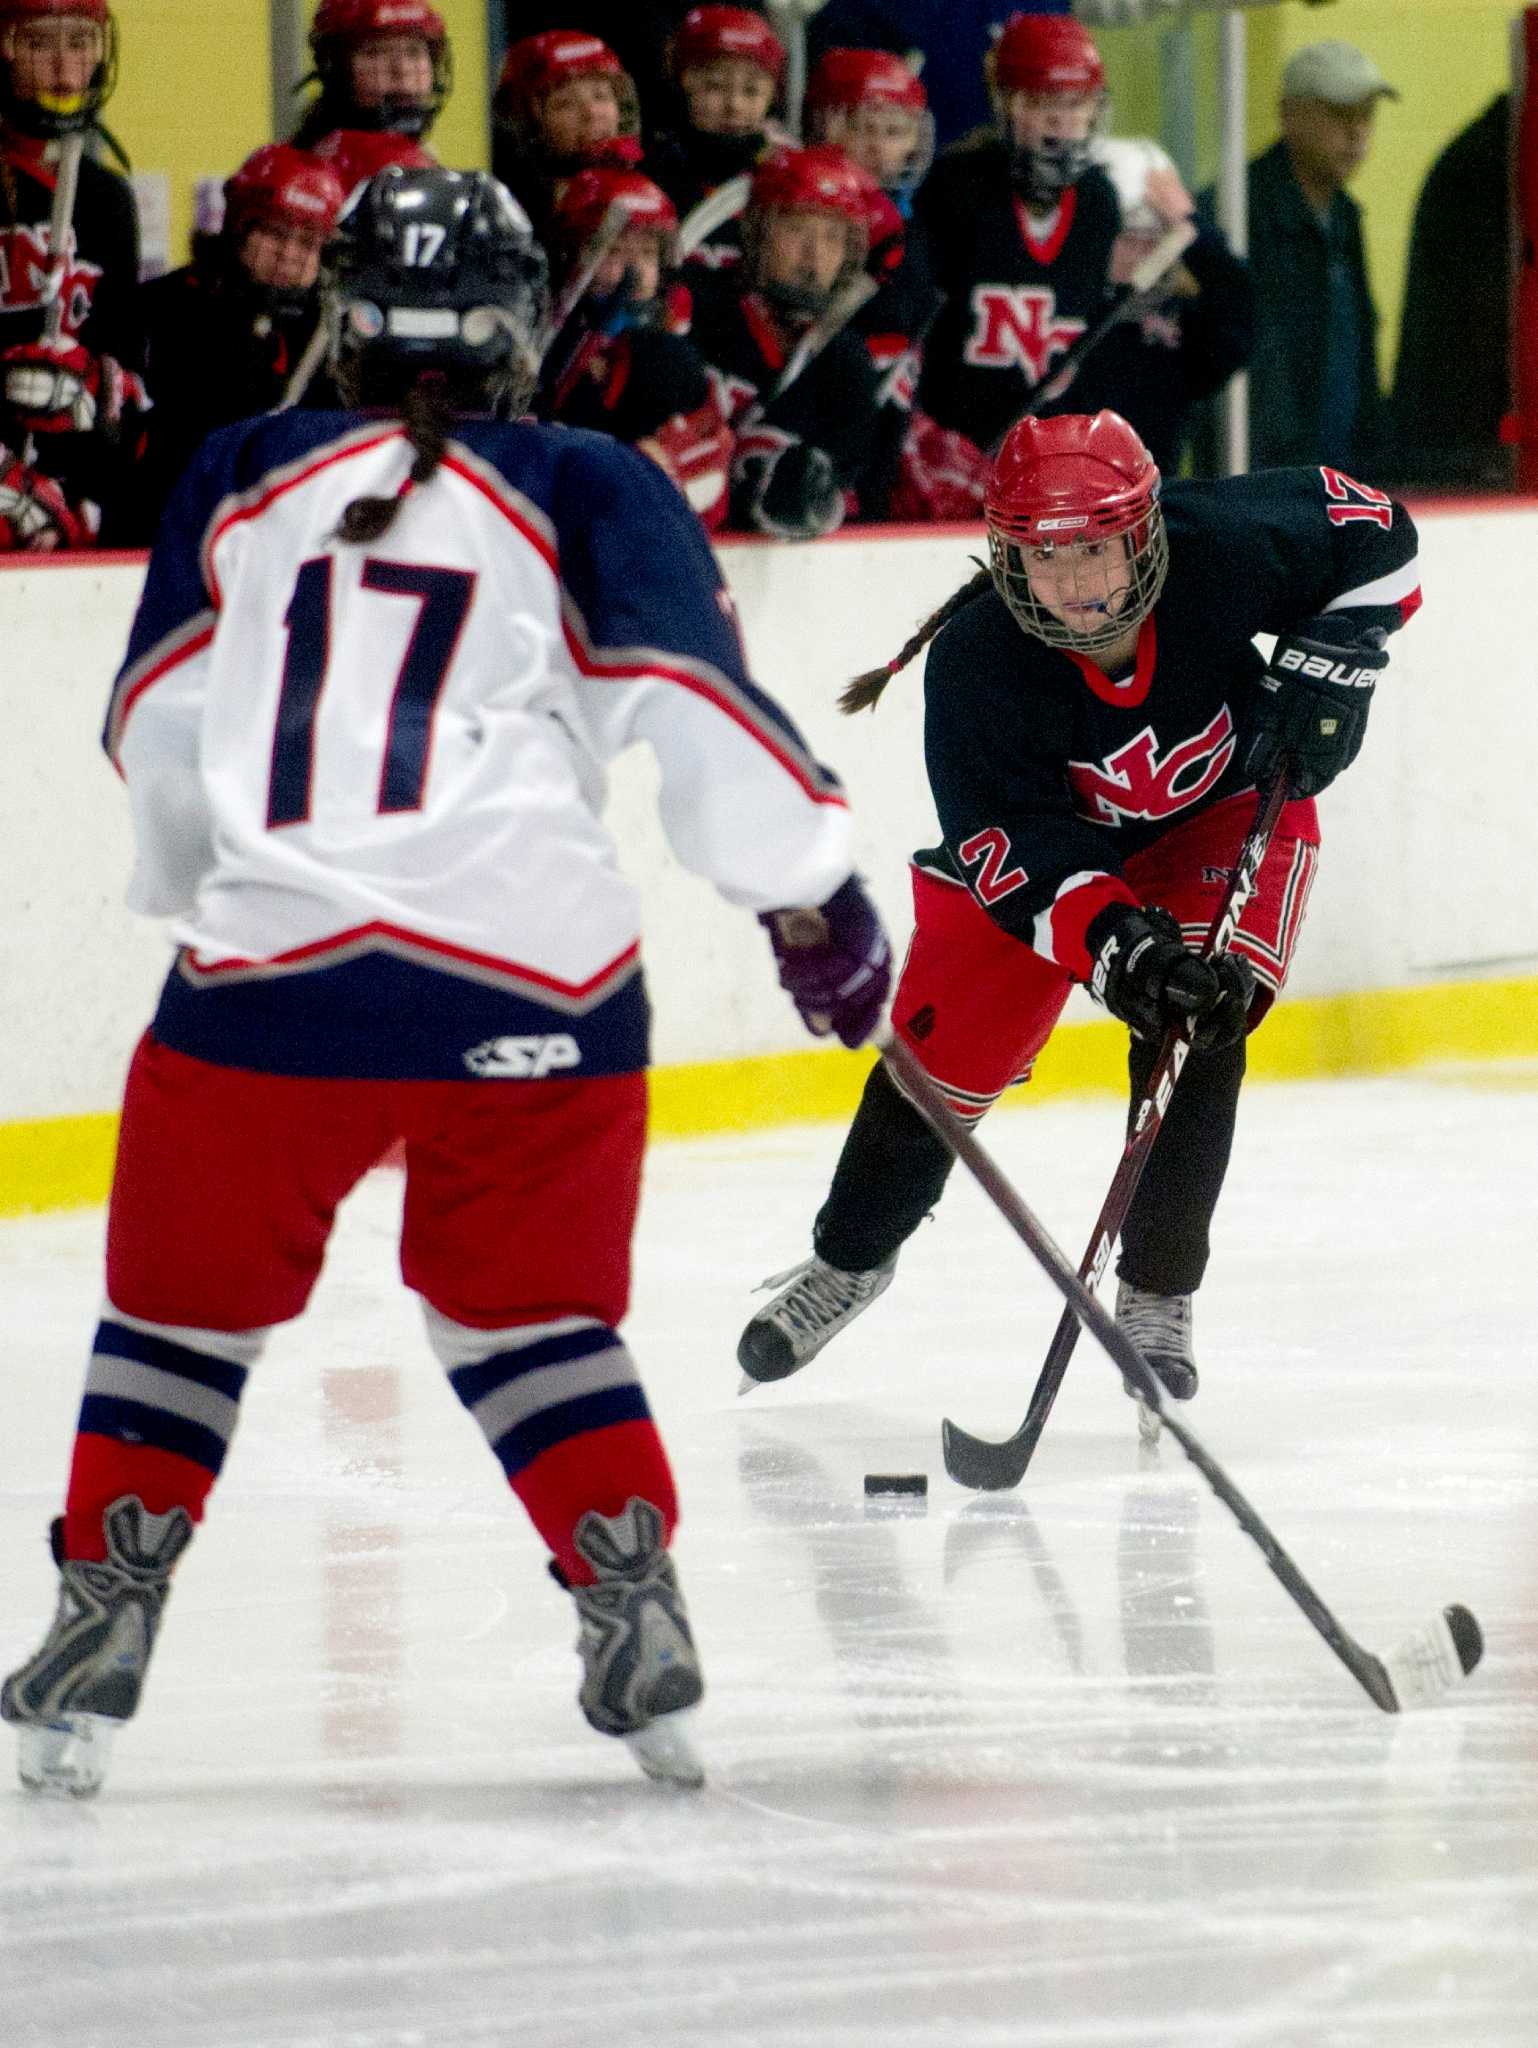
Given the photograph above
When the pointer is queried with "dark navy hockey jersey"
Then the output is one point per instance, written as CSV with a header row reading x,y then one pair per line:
x,y
1048,775
1016,299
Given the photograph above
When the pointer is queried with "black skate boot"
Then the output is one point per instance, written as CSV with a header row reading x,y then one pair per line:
x,y
640,1671
1160,1326
69,1700
819,1301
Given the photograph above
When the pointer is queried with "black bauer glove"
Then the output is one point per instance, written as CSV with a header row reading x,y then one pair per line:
x,y
1313,714
1147,975
835,963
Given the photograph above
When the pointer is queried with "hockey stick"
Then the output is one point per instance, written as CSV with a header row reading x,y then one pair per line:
x,y
1140,288
1429,1662
713,211
831,322
60,216
975,1461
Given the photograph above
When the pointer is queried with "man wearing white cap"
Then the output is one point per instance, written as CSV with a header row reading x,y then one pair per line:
x,y
1314,392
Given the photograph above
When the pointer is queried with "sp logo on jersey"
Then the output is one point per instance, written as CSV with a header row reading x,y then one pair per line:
x,y
1017,324
524,1059
1138,782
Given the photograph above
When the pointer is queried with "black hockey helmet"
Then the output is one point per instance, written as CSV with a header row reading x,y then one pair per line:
x,y
435,271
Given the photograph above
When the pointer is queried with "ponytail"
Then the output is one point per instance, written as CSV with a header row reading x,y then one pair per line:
x,y
863,692
428,419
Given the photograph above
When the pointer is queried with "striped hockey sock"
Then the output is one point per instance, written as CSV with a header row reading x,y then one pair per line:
x,y
161,1403
566,1416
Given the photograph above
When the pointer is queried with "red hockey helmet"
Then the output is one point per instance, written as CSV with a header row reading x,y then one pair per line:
x,y
41,10
845,85
706,34
52,114
358,154
586,198
283,187
864,78
538,65
353,21
341,26
816,180
1069,485
1047,54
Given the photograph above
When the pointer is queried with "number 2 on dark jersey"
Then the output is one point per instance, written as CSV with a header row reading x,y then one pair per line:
x,y
443,598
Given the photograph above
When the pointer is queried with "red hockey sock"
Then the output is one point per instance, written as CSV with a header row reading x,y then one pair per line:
x,y
600,1469
104,1470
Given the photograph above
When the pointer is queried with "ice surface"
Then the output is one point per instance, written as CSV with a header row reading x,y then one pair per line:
x,y
1061,1769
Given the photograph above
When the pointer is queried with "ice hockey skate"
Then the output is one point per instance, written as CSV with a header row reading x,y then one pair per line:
x,y
640,1672
69,1700
1160,1326
816,1301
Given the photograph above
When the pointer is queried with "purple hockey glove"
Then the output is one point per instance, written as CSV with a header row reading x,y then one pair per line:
x,y
835,963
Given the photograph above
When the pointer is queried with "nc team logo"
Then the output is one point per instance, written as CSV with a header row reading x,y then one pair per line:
x,y
25,257
1138,782
1017,324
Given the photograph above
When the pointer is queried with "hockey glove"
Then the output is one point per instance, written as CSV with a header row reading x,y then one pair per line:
x,y
1313,713
1146,975
61,388
835,963
795,495
35,515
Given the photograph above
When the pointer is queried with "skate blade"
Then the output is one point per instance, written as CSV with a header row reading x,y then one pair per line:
x,y
747,1384
67,1758
1147,1427
665,1750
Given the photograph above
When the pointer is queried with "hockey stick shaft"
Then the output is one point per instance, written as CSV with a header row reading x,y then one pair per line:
x,y
1139,289
840,312
1368,1670
977,1462
62,213
713,211
60,216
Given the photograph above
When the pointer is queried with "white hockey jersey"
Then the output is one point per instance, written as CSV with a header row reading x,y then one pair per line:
x,y
366,781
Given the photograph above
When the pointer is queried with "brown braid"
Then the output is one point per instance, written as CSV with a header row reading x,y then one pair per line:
x,y
863,692
429,420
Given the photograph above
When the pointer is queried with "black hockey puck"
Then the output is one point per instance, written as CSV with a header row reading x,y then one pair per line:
x,y
915,1485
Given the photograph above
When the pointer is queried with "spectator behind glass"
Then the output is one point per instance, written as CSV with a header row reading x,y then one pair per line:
x,y
872,106
564,103
228,330
639,33
727,67
804,238
1021,226
1187,341
382,65
71,412
1314,391
624,363
953,37
1452,386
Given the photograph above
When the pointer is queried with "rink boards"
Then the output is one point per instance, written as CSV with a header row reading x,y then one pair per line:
x,y
1421,944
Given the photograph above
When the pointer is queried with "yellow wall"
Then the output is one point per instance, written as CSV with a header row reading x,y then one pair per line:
x,y
194,94
1449,58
